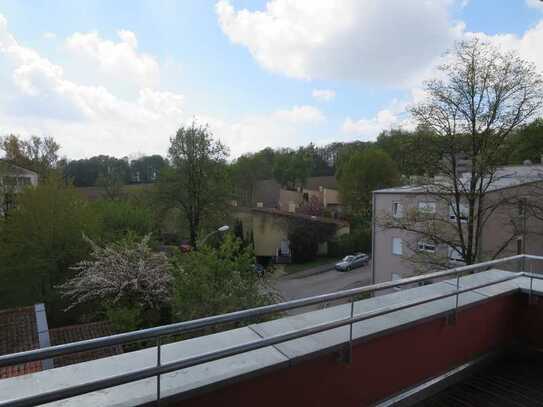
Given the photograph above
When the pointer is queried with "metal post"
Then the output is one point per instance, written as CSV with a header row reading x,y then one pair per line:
x,y
158,364
452,318
350,357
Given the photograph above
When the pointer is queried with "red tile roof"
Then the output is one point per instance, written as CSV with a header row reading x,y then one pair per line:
x,y
18,332
75,333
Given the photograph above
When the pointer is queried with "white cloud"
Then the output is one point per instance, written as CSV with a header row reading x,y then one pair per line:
x,y
323,95
393,116
537,4
92,119
301,114
118,60
386,42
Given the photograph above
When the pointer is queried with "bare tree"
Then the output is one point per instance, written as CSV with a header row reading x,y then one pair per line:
x,y
483,96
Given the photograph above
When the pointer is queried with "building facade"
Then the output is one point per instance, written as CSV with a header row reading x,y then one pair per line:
x,y
511,227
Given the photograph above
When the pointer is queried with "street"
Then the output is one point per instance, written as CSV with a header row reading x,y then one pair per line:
x,y
315,281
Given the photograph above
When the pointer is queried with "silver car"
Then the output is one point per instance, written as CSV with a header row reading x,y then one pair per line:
x,y
352,261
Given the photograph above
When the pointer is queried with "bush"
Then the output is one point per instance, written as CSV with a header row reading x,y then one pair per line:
x,y
118,219
359,240
216,281
305,236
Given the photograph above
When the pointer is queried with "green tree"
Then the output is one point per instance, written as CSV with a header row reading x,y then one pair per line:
x,y
291,168
527,143
119,219
305,235
215,281
364,172
197,183
39,242
39,154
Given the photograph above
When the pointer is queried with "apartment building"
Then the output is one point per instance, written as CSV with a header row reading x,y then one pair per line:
x,y
510,229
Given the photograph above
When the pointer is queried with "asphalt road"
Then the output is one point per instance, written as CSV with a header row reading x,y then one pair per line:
x,y
313,282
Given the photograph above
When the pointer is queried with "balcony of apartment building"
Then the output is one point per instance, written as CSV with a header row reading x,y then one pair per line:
x,y
465,336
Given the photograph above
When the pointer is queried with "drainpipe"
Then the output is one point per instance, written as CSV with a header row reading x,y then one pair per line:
x,y
43,333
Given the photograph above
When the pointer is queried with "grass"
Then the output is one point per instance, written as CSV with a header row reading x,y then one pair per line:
x,y
319,261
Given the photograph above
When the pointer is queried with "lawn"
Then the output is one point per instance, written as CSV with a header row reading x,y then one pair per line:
x,y
319,261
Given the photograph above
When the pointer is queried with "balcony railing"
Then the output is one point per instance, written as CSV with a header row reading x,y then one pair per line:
x,y
158,333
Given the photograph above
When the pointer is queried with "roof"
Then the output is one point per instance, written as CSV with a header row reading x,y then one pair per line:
x,y
321,219
505,177
11,164
81,332
19,333
313,183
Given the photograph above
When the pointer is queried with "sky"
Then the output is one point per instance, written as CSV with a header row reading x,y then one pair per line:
x,y
120,77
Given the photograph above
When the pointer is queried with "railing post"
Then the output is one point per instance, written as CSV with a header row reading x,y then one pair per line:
x,y
350,356
158,364
452,318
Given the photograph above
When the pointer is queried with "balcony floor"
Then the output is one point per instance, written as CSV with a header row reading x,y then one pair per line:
x,y
514,380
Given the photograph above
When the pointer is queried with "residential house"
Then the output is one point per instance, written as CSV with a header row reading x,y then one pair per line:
x,y
503,234
13,179
269,194
268,228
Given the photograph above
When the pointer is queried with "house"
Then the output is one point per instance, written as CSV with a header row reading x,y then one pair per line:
x,y
268,228
26,328
13,179
503,234
269,194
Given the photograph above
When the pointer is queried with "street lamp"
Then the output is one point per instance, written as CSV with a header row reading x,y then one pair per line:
x,y
222,229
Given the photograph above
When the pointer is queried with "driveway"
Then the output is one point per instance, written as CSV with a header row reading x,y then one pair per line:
x,y
313,282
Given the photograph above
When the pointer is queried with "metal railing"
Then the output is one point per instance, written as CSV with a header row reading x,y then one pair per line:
x,y
158,333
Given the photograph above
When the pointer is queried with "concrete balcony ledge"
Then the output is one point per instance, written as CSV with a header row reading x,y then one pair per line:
x,y
206,377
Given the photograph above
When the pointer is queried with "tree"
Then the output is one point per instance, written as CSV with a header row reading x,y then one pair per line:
x,y
122,275
247,170
39,242
527,143
305,235
364,172
483,96
291,168
99,169
216,281
37,153
197,182
147,168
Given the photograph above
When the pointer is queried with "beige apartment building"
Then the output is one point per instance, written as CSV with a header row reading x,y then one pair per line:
x,y
511,227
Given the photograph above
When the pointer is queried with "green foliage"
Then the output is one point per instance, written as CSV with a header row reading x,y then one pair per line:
x,y
291,168
36,153
527,143
118,219
359,240
214,281
124,319
363,173
305,236
87,172
39,241
197,184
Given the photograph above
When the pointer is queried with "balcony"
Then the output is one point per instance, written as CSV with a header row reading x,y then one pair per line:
x,y
402,348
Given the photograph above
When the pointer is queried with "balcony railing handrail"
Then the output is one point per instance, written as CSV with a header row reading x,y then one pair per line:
x,y
242,348
197,324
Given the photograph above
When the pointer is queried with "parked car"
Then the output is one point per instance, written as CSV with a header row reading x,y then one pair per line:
x,y
352,261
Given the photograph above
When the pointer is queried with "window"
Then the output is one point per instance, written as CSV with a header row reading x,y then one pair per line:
x,y
455,255
397,246
397,209
23,181
464,212
427,207
425,246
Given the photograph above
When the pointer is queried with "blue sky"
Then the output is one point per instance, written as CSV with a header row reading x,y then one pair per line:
x,y
277,73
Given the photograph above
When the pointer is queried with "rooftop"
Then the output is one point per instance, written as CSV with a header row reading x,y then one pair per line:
x,y
505,177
